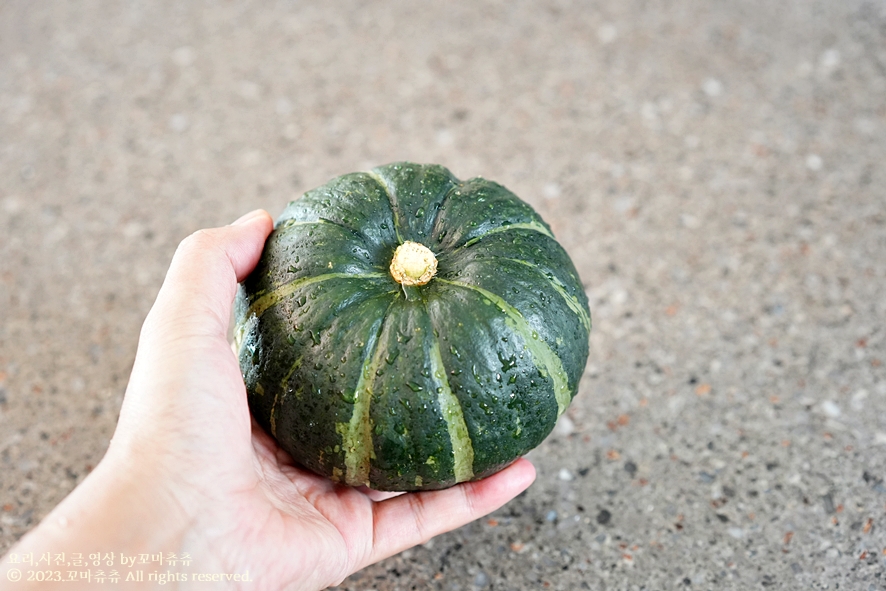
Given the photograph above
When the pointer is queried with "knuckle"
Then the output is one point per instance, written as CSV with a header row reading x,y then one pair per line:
x,y
199,240
205,247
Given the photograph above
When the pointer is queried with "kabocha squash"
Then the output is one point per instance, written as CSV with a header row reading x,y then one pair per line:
x,y
406,330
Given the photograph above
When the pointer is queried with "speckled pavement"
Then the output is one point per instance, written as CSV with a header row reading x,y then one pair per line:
x,y
716,169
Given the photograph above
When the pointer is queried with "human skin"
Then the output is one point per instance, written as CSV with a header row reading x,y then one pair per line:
x,y
189,471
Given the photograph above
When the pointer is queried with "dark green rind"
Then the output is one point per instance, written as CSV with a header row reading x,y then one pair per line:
x,y
408,427
291,357
312,422
355,201
298,250
540,252
416,192
509,407
476,208
536,298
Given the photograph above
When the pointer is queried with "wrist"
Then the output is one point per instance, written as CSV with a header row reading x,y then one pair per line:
x,y
114,511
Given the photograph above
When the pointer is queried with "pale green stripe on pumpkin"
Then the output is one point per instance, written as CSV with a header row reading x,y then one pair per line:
x,y
535,227
290,223
357,433
284,383
391,200
544,358
462,447
272,298
571,300
281,391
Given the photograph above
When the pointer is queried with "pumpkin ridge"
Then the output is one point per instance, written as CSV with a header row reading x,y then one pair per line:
x,y
282,227
392,200
542,355
518,226
281,391
453,414
449,192
571,300
273,297
357,433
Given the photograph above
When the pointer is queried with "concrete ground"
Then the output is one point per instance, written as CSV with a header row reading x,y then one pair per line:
x,y
716,170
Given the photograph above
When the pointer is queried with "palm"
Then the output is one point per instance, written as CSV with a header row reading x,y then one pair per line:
x,y
300,524
302,529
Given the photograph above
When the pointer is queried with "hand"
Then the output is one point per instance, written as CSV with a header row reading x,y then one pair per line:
x,y
188,471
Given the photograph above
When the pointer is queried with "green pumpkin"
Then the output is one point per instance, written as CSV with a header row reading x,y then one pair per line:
x,y
371,366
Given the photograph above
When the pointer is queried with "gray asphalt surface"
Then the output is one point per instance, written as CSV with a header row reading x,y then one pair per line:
x,y
716,170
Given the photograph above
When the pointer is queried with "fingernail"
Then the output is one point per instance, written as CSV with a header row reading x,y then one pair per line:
x,y
249,217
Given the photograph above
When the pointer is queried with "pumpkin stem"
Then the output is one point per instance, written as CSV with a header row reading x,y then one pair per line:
x,y
413,264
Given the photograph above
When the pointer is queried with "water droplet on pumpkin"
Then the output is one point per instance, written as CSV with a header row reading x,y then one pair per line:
x,y
414,387
507,362
454,351
420,212
513,378
315,336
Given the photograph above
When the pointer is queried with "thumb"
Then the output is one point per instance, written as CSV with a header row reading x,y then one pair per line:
x,y
183,360
198,292
185,397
